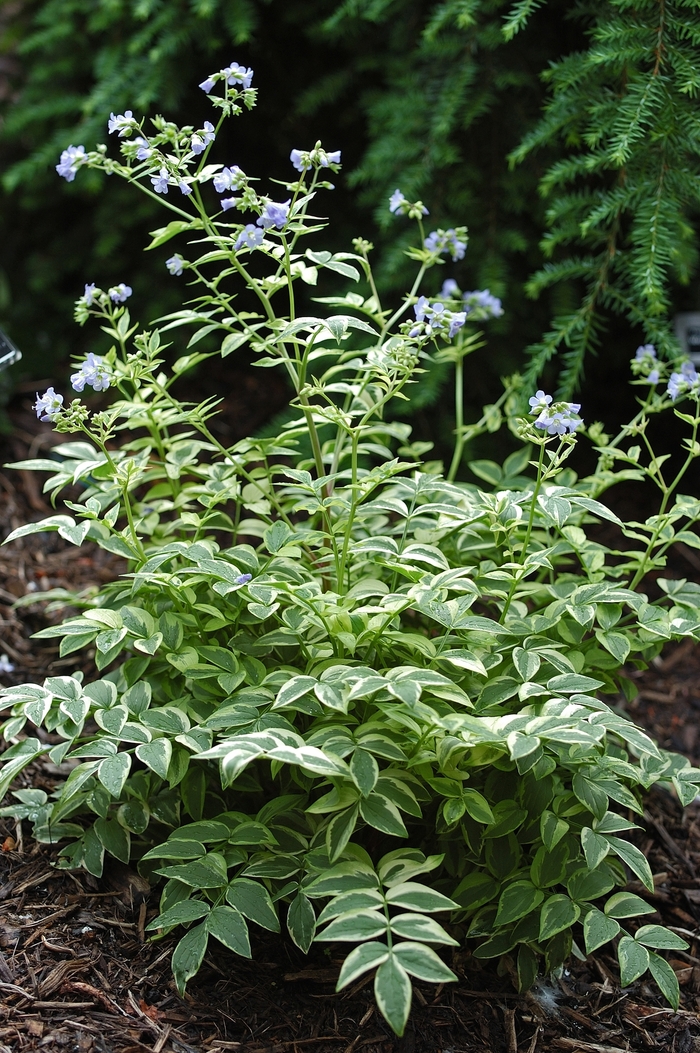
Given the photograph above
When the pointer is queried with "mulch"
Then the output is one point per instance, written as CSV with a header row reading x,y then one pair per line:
x,y
78,973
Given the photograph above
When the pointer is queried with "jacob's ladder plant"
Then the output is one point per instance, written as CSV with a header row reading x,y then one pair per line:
x,y
337,690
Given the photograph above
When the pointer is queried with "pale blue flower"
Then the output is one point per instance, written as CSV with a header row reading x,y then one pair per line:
x,y
49,405
228,202
120,293
540,402
243,579
93,373
185,188
653,377
444,241
251,237
275,214
236,74
456,322
174,264
487,305
144,150
420,308
71,160
201,139
161,181
687,382
6,665
561,421
208,85
644,352
396,201
122,123
327,159
301,160
449,288
229,179
89,294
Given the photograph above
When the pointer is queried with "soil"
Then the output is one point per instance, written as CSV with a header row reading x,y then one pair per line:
x,y
77,972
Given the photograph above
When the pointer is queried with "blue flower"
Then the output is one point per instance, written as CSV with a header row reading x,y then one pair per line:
x,y
71,160
228,202
488,306
685,382
174,264
644,352
200,140
236,74
161,181
449,288
561,418
540,402
49,405
89,294
93,373
332,158
144,150
251,237
120,293
6,665
122,123
243,579
653,377
420,308
301,160
274,215
456,322
229,179
396,201
185,188
444,241
208,84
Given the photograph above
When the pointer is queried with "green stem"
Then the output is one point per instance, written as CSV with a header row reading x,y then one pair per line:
x,y
531,519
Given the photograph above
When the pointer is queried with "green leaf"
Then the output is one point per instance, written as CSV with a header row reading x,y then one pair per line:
x,y
423,963
301,921
340,830
200,873
364,899
360,960
253,901
558,913
526,662
590,795
570,683
156,755
627,905
354,926
114,838
184,912
414,896
633,959
229,927
112,720
598,929
364,771
477,806
595,847
393,992
666,979
418,927
188,955
383,815
113,773
552,829
635,860
660,938
517,899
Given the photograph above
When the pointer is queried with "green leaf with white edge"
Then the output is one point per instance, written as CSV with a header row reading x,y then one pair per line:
x,y
364,771
37,709
595,847
156,755
627,905
477,806
423,963
414,896
174,848
660,938
360,960
354,926
228,926
114,838
76,709
590,795
364,899
188,956
188,910
526,662
633,959
616,643
552,829
112,720
393,993
113,773
558,913
344,877
383,815
418,927
301,922
598,929
253,901
340,830
517,899
570,683
666,979
200,873
635,860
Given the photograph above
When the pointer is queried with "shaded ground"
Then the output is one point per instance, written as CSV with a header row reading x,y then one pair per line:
x,y
77,974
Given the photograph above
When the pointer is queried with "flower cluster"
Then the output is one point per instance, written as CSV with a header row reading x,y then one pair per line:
x,y
480,303
232,75
71,160
687,382
120,293
401,206
303,160
163,180
436,318
557,418
644,364
49,405
93,372
202,138
448,241
122,123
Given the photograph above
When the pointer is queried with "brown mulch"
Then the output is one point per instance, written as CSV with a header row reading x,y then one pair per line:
x,y
77,972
